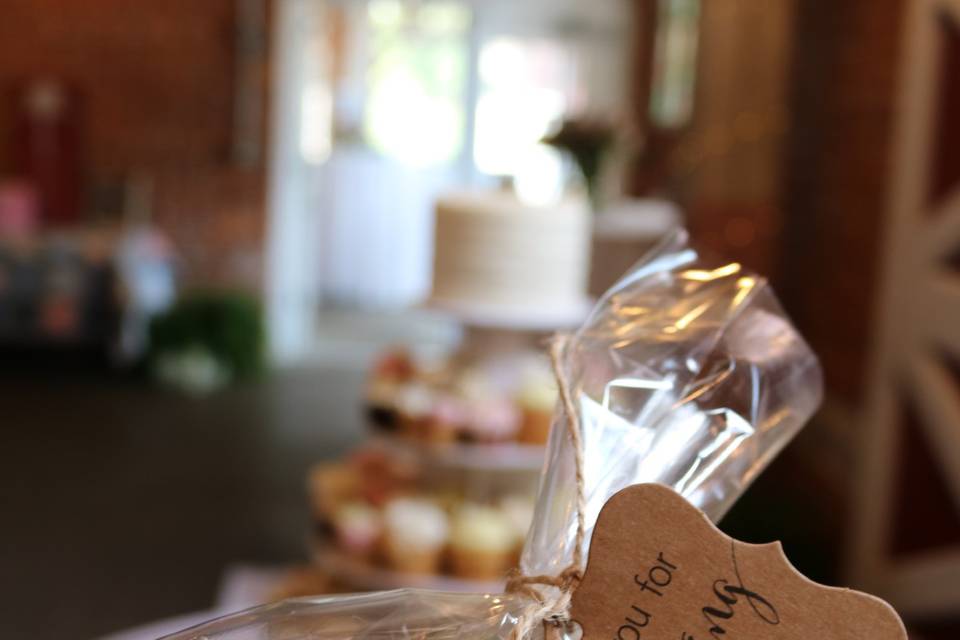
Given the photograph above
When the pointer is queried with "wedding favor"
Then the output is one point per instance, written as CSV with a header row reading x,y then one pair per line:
x,y
681,386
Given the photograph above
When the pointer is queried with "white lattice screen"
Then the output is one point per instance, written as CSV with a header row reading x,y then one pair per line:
x,y
914,391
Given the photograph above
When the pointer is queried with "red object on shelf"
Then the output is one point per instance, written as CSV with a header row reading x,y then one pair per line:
x,y
18,209
46,147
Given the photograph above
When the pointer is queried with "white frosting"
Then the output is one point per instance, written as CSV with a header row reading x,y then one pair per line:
x,y
519,511
538,393
416,400
416,524
358,524
481,528
492,250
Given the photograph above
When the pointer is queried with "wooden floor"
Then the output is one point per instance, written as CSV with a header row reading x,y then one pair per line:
x,y
122,503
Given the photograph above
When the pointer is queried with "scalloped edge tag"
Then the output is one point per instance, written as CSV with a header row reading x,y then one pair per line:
x,y
658,569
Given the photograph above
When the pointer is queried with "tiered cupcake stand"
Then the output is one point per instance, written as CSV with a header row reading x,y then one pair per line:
x,y
480,471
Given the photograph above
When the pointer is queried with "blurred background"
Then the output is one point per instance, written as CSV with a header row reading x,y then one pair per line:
x,y
250,248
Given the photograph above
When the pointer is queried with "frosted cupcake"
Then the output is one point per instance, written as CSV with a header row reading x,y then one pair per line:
x,y
383,476
357,527
415,533
390,374
519,512
329,486
536,400
492,420
415,406
446,419
482,543
381,404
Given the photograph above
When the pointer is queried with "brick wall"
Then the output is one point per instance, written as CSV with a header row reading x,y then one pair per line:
x,y
156,84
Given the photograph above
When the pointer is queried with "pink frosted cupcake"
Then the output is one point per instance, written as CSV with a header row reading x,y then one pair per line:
x,y
447,419
495,419
358,528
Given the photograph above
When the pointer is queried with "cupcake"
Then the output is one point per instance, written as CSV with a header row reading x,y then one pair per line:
x,y
357,527
389,375
482,543
396,365
381,402
494,419
519,512
536,400
329,486
383,476
446,419
415,405
415,533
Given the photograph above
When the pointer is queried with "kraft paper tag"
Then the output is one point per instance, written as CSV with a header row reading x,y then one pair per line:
x,y
659,570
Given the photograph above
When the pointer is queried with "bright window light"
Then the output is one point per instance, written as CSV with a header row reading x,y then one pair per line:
x,y
316,109
416,80
522,95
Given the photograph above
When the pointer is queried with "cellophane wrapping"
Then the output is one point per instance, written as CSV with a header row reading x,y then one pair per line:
x,y
683,374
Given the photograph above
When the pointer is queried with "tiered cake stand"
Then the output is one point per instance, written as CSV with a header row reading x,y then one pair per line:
x,y
482,471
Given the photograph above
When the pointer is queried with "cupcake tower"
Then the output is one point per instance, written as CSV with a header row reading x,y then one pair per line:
x,y
385,521
506,398
443,495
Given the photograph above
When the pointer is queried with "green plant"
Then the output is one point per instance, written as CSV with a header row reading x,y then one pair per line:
x,y
586,140
227,325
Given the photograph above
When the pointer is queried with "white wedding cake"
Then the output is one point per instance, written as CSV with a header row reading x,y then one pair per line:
x,y
501,262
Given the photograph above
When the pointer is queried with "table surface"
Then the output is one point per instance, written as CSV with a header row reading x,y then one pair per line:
x,y
243,586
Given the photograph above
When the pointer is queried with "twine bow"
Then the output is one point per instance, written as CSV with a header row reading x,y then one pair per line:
x,y
553,605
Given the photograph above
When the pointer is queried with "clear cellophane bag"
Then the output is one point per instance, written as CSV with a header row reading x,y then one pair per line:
x,y
683,374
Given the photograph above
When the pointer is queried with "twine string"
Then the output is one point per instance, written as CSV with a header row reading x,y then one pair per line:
x,y
553,606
